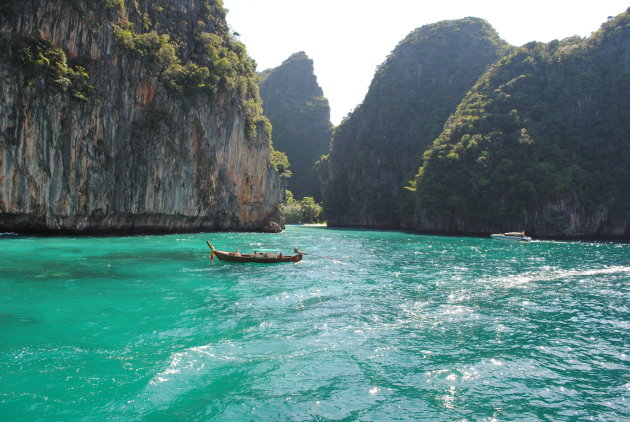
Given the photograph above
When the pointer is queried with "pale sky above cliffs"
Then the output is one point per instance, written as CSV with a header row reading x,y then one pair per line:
x,y
347,39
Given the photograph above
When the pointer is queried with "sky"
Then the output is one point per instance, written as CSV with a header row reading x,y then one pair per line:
x,y
348,39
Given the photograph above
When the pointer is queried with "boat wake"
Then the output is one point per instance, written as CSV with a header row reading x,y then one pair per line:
x,y
554,274
183,372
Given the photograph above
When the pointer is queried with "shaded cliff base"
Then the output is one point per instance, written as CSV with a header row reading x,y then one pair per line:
x,y
591,238
127,224
623,237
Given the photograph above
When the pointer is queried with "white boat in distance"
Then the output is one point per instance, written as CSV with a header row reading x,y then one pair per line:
x,y
513,236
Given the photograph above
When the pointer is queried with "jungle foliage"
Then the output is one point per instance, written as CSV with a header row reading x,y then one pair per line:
x,y
303,211
547,122
194,57
281,162
189,57
40,61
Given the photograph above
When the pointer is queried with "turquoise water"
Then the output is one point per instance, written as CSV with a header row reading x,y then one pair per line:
x,y
399,327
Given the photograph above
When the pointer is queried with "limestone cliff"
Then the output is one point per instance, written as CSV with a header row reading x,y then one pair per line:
x,y
294,103
130,116
379,147
541,144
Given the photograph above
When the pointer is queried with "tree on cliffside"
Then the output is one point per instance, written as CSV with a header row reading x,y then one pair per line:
x,y
300,116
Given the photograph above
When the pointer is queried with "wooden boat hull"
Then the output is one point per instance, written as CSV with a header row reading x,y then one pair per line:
x,y
257,258
230,257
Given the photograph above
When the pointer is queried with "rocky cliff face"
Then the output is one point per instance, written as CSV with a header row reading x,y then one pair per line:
x,y
540,144
300,115
378,148
134,116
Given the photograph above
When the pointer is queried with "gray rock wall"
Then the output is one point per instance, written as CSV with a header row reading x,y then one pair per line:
x,y
132,159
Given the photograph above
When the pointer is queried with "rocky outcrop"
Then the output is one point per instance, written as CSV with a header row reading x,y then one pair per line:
x,y
135,116
379,147
294,103
540,144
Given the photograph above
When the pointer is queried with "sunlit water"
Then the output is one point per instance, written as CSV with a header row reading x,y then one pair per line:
x,y
396,326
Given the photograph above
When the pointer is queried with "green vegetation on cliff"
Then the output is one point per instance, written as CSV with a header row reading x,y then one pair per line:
x,y
189,57
192,57
548,123
300,116
281,162
379,146
41,62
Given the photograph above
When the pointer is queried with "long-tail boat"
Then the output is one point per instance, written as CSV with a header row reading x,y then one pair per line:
x,y
261,256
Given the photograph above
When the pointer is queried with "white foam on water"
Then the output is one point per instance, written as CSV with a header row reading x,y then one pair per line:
x,y
553,274
184,371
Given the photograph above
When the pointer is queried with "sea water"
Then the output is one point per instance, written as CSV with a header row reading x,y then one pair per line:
x,y
371,326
